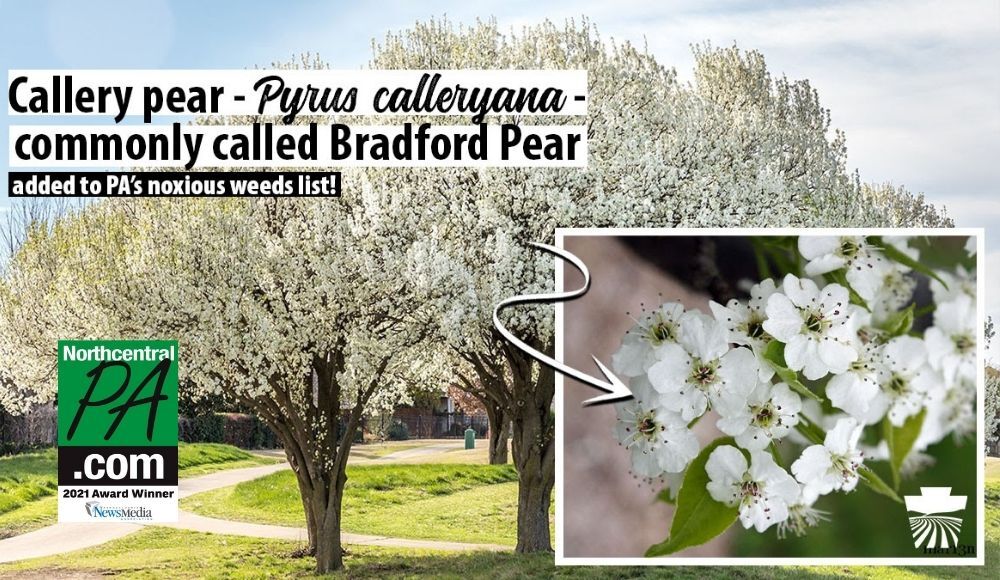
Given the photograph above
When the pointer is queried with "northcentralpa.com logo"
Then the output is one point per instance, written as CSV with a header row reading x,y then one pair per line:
x,y
937,528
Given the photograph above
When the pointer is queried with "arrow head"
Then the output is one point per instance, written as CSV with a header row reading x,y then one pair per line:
x,y
617,390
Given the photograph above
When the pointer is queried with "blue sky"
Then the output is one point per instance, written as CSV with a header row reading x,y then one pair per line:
x,y
915,85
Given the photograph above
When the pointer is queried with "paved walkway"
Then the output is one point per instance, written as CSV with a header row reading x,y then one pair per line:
x,y
67,537
421,451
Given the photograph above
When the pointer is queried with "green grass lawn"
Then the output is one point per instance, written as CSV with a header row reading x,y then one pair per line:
x,y
157,552
464,503
160,552
28,481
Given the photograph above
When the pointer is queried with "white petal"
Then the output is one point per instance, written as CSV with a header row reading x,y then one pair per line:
x,y
691,402
703,337
753,439
834,300
630,359
866,278
726,492
680,446
812,466
824,264
738,372
836,355
843,438
798,350
938,345
786,400
645,463
801,291
726,464
812,247
905,354
670,374
784,319
851,393
733,424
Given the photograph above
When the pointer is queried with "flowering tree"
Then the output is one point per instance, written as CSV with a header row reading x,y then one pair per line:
x,y
825,353
991,411
307,337
735,148
480,378
299,309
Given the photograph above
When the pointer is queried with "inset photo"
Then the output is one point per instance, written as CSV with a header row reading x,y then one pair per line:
x,y
808,396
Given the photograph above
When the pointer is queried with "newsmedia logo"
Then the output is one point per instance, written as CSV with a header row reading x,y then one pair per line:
x,y
937,527
96,510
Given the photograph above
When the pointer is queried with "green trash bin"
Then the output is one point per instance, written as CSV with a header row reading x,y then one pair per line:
x,y
470,438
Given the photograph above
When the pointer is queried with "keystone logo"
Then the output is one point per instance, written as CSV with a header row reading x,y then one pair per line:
x,y
934,528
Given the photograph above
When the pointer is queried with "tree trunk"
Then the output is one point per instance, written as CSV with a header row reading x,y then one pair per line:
x,y
534,457
325,507
499,432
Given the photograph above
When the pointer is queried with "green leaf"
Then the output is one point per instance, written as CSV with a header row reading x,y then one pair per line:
x,y
900,322
901,440
666,497
875,483
811,431
698,517
775,354
895,255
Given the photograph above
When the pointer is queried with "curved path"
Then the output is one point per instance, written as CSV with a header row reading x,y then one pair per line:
x,y
67,537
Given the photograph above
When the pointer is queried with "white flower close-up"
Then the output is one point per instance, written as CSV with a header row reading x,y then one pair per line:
x,y
855,390
745,322
658,439
768,414
951,342
815,324
702,369
832,466
908,378
864,263
762,490
641,343
810,374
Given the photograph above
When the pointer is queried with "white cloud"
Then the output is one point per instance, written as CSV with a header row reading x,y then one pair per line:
x,y
913,83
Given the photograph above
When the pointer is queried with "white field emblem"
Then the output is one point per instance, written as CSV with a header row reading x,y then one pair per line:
x,y
933,529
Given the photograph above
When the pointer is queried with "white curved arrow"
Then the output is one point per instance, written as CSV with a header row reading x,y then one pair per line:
x,y
615,389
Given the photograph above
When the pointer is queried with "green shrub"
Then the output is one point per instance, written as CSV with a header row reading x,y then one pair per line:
x,y
398,431
237,429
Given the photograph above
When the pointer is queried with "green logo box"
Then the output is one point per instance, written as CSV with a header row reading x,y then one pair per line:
x,y
117,393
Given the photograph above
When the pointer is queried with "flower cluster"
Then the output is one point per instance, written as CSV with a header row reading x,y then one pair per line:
x,y
814,358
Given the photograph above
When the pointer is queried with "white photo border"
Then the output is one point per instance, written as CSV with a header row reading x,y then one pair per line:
x,y
980,558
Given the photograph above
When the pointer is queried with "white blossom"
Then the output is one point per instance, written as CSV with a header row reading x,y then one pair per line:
x,y
857,388
762,491
641,343
802,515
833,465
745,322
768,414
951,342
956,282
865,264
908,378
658,439
702,369
815,325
